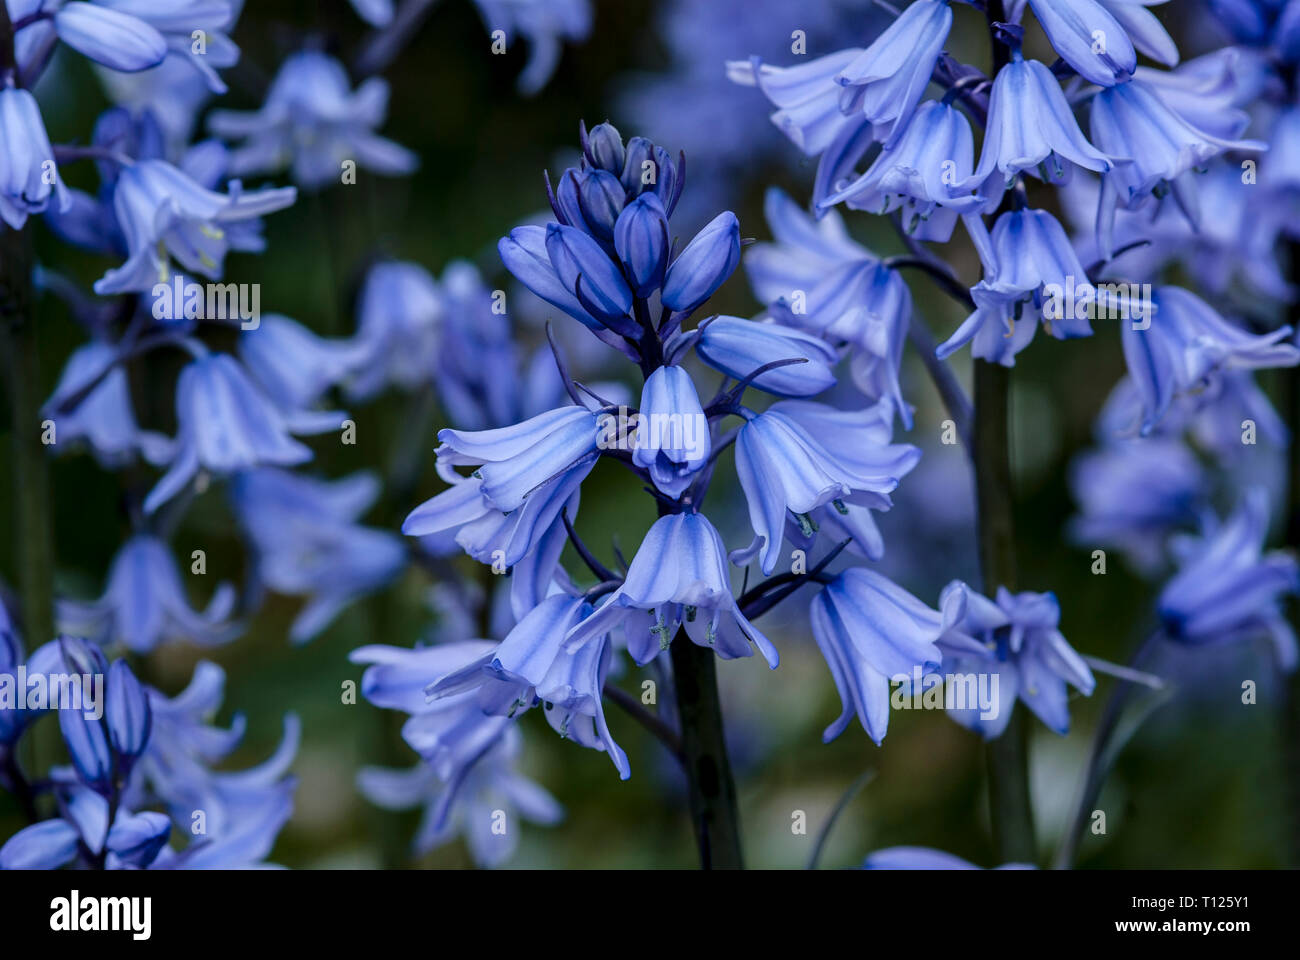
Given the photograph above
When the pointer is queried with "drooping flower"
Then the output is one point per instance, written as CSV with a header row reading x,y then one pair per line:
x,y
870,630
1153,146
1028,260
1015,642
144,604
28,175
1187,344
920,172
672,435
194,30
103,417
678,578
545,23
396,343
1227,590
1134,493
295,366
308,542
164,213
315,124
225,423
532,666
785,469
1031,129
493,785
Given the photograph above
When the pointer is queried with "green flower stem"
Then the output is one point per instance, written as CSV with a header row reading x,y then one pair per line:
x,y
1008,756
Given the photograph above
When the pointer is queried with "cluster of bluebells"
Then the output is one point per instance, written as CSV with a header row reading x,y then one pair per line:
x,y
141,789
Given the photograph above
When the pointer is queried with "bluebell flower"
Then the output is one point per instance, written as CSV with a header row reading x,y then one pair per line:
x,y
920,173
225,423
103,419
805,252
308,543
739,347
544,23
114,38
642,241
28,175
396,343
1028,261
45,660
1133,494
871,630
493,784
312,121
708,260
1031,129
178,20
1132,124
783,467
1017,641
532,666
1088,38
863,442
678,578
514,461
294,366
673,441
242,810
1228,590
1187,344
807,97
164,213
925,858
145,606
885,82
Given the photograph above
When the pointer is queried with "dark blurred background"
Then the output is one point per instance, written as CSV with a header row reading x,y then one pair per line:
x,y
1198,786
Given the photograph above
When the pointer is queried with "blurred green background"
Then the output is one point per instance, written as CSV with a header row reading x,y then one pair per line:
x,y
1197,788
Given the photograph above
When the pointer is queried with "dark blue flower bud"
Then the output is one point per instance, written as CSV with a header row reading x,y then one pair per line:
x,y
568,198
642,241
639,170
667,180
129,715
705,263
604,148
87,743
594,278
601,198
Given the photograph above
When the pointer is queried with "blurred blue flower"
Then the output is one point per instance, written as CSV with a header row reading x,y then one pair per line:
x,y
307,542
313,122
544,23
103,418
1227,590
226,423
925,858
1187,344
145,605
